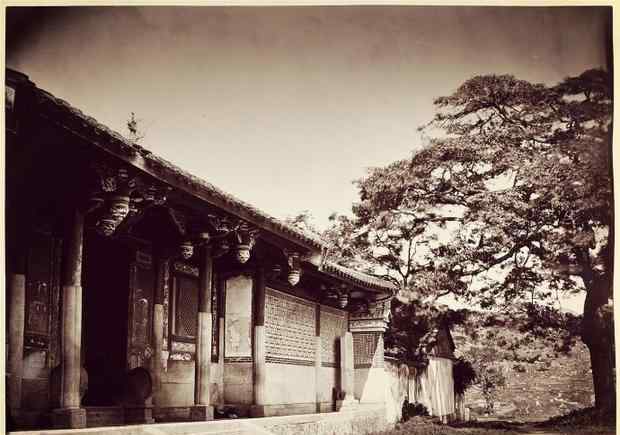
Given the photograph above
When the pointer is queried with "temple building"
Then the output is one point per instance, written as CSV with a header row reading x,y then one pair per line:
x,y
139,293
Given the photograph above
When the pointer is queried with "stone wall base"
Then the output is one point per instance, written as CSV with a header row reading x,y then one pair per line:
x,y
325,407
283,409
73,418
139,414
97,416
171,413
347,405
201,413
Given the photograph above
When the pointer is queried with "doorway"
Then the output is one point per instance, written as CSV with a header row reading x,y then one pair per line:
x,y
106,299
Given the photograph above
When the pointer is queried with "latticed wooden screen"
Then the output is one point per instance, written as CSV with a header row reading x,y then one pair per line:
x,y
186,306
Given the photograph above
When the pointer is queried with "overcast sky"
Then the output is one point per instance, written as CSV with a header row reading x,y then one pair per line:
x,y
285,106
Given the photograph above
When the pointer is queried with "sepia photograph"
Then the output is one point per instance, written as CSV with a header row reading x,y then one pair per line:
x,y
309,219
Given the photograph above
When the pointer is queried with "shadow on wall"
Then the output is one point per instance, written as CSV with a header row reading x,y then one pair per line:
x,y
432,387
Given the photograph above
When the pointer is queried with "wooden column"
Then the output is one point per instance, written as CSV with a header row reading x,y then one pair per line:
x,y
221,313
70,414
16,287
260,367
158,327
317,359
202,409
16,249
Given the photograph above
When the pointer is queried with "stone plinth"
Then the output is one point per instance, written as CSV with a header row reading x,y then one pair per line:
x,y
201,413
347,370
74,418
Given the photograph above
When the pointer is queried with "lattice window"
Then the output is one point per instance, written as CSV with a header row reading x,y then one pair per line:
x,y
367,350
185,306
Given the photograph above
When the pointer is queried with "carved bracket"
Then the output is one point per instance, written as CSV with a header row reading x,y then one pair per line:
x,y
121,193
245,236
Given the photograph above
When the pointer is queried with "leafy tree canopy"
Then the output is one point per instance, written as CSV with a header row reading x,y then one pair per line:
x,y
509,202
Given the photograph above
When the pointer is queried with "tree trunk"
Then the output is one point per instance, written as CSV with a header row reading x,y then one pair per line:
x,y
602,360
598,335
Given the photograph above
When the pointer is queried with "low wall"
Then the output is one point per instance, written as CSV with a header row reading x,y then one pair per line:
x,y
400,382
433,387
360,422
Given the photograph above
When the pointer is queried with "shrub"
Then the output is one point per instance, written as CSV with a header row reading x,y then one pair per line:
x,y
413,410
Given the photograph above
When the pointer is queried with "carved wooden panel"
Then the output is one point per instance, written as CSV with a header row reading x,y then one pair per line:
x,y
290,328
41,292
333,324
140,311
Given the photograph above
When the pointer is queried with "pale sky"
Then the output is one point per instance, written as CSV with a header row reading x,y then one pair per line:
x,y
285,106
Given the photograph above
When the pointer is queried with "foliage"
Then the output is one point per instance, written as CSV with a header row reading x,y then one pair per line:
x,y
409,323
489,374
464,375
490,378
426,426
508,204
413,410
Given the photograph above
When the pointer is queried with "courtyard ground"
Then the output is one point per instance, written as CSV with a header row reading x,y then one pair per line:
x,y
582,422
428,427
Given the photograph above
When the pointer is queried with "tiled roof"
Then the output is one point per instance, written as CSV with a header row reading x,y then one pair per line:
x,y
93,129
360,278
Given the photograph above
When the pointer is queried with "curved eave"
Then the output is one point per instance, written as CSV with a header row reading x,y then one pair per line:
x,y
381,288
72,119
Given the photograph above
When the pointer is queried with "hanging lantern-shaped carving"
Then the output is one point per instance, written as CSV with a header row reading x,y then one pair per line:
x,y
242,253
343,299
106,225
119,207
187,249
294,275
294,272
245,238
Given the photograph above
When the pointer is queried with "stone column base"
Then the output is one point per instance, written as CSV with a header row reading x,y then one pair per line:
x,y
69,418
139,414
201,412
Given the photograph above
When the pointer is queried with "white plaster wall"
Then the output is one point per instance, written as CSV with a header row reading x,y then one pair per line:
x,y
435,387
216,387
328,380
440,370
238,383
400,381
177,384
370,384
287,383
